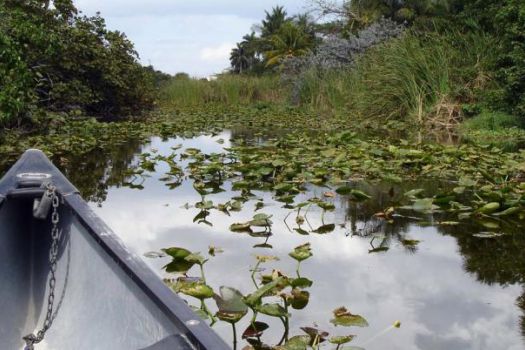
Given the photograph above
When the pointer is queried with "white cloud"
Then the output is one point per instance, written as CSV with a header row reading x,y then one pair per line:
x,y
217,53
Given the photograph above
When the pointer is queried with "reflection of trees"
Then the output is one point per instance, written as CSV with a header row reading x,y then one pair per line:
x,y
93,173
360,215
499,260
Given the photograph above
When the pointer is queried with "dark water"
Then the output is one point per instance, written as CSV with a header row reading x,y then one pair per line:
x,y
451,291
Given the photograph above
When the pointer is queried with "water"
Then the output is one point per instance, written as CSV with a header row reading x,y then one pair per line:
x,y
451,291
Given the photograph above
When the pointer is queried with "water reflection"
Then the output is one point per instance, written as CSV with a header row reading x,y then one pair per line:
x,y
451,290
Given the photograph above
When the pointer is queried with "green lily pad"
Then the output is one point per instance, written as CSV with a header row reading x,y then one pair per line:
x,y
196,289
301,252
342,339
343,317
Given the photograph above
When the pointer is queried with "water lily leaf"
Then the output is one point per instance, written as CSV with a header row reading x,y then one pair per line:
x,y
378,250
254,298
325,229
201,313
343,317
231,306
490,224
178,263
192,288
274,310
301,231
261,216
300,299
301,252
325,205
467,182
316,335
202,215
508,212
342,339
459,190
358,195
489,208
487,235
196,258
410,242
344,190
414,193
298,342
448,223
255,330
422,205
301,282
240,227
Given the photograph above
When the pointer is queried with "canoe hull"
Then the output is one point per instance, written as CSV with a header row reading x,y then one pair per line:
x,y
107,298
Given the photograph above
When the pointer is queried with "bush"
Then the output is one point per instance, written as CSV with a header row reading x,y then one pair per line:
x,y
505,20
65,61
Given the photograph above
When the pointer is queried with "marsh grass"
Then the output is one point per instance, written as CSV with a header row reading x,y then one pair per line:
x,y
413,77
227,90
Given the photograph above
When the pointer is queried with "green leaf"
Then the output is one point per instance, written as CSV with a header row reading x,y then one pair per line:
x,y
342,339
196,289
240,227
344,190
301,252
196,258
489,208
359,195
299,342
301,282
300,298
179,264
343,317
255,329
255,297
324,229
274,310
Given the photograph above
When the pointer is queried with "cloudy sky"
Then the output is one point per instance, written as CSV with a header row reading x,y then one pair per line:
x,y
193,36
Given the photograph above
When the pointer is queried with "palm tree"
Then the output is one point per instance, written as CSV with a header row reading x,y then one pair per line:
x,y
240,59
290,41
274,21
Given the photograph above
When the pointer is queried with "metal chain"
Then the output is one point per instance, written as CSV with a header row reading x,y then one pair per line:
x,y
32,339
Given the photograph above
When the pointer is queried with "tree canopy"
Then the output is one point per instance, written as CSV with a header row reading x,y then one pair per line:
x,y
52,58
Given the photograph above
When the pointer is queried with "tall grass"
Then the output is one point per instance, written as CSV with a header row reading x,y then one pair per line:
x,y
228,90
406,78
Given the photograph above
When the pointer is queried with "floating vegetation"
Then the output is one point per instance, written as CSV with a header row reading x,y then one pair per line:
x,y
308,168
275,295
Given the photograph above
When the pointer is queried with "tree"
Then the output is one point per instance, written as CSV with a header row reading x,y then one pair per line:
x,y
66,61
274,21
289,41
240,59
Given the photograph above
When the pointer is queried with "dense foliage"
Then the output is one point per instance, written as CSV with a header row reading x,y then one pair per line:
x,y
52,58
438,61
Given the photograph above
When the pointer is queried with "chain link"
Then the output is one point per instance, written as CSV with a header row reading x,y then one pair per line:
x,y
32,339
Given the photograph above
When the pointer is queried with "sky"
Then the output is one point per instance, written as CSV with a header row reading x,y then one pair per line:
x,y
192,36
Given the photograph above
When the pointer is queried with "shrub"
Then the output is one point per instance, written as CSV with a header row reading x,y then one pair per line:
x,y
66,61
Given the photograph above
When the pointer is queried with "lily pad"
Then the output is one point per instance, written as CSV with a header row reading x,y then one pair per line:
x,y
343,317
301,252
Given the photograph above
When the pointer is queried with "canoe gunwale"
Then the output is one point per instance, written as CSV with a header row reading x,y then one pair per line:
x,y
178,312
